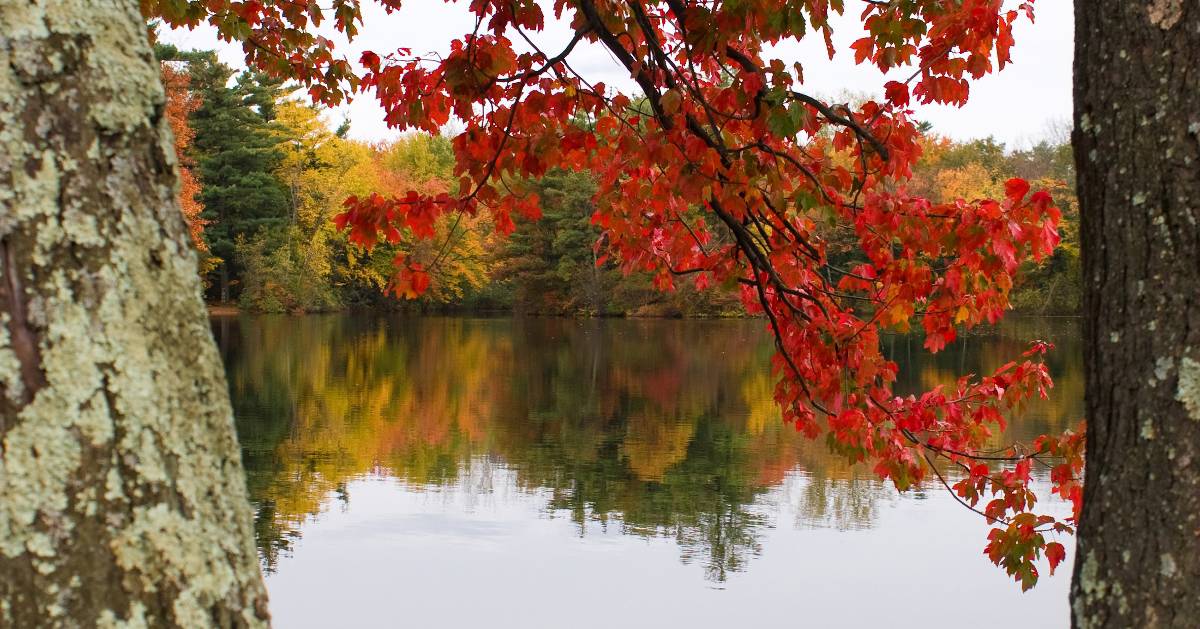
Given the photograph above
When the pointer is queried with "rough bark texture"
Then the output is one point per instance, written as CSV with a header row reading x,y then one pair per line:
x,y
1137,148
122,499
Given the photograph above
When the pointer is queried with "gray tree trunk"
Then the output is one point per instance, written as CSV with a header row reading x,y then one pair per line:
x,y
1137,149
122,499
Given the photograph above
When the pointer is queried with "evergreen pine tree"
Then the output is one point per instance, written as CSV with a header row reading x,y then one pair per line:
x,y
236,154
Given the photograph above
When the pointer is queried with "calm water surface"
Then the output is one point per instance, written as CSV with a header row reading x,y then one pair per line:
x,y
448,472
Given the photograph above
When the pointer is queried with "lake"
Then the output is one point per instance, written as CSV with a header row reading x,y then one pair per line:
x,y
457,472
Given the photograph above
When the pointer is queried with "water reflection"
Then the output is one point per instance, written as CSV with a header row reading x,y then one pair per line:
x,y
655,429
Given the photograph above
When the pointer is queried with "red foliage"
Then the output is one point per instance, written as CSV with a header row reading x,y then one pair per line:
x,y
181,102
725,172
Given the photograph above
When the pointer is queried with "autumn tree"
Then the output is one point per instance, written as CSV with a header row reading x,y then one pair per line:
x,y
288,263
550,265
453,248
181,102
122,498
1137,149
1055,285
950,170
723,168
556,264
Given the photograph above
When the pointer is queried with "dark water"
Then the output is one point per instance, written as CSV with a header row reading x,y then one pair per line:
x,y
446,472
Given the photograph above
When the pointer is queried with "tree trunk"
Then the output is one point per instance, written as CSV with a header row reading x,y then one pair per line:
x,y
122,498
1137,149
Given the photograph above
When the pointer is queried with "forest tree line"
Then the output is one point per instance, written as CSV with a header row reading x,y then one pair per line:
x,y
263,176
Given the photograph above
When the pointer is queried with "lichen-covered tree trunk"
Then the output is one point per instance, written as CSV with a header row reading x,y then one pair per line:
x,y
122,499
1137,148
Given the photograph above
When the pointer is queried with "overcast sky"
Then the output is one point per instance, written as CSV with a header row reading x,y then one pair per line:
x,y
1018,106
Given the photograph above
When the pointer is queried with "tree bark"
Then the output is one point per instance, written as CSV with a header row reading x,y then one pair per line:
x,y
122,497
1137,149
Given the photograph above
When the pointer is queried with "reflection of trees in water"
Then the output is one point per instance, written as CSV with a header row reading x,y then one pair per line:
x,y
843,504
722,542
705,501
663,428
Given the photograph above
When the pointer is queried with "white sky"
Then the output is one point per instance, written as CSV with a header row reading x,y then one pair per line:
x,y
1018,106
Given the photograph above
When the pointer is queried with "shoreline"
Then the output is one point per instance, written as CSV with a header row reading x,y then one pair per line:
x,y
231,310
224,310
